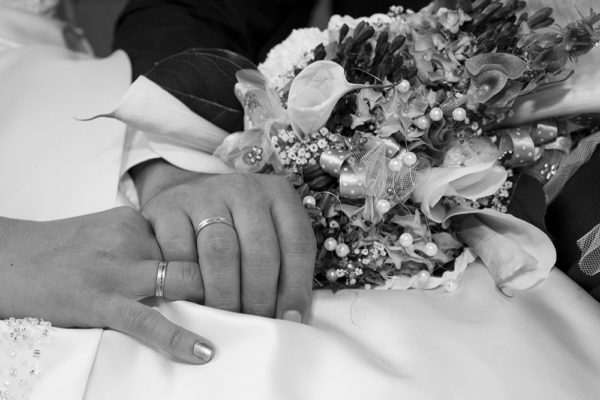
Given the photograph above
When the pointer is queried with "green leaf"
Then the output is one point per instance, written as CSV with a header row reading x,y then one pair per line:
x,y
204,80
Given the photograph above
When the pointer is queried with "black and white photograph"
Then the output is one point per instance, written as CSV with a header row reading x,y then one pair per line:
x,y
299,199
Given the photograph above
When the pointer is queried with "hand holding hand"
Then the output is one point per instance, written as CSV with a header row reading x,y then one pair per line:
x,y
90,271
261,263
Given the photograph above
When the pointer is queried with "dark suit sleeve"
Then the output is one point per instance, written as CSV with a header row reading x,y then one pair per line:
x,y
572,214
150,30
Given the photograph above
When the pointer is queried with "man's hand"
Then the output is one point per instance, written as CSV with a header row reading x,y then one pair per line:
x,y
263,265
91,271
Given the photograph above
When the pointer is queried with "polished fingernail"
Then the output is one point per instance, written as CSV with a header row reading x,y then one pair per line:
x,y
292,315
203,351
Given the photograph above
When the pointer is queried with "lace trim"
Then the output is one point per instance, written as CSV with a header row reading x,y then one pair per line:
x,y
589,245
21,342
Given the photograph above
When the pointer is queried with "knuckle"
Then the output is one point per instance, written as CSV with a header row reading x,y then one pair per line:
x,y
177,339
126,212
300,276
259,237
139,319
278,180
189,272
222,249
190,278
261,266
302,243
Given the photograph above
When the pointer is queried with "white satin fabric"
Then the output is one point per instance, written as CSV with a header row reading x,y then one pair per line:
x,y
474,343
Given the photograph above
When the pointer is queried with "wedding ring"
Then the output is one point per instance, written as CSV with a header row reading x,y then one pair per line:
x,y
209,221
160,279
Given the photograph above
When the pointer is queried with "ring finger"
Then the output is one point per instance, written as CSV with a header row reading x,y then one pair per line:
x,y
174,280
219,257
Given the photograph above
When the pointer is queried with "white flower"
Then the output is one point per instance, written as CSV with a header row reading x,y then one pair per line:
x,y
336,21
292,53
452,19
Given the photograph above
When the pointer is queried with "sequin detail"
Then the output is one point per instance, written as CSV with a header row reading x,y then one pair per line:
x,y
21,345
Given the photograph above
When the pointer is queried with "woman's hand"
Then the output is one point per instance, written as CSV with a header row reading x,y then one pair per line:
x,y
90,271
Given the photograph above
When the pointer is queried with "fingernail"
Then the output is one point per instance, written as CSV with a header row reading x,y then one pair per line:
x,y
203,351
293,316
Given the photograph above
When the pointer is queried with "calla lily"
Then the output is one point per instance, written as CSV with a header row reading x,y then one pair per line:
x,y
152,110
314,93
574,96
471,182
517,254
261,103
169,127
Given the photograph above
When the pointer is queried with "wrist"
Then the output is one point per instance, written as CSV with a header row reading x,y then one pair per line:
x,y
154,176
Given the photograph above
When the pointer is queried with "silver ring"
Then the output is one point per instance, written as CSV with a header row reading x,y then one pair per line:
x,y
209,221
160,279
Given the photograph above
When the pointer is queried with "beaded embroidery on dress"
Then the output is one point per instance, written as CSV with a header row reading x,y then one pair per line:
x,y
21,342
43,7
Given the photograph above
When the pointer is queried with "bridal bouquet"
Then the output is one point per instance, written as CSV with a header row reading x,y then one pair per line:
x,y
388,128
383,124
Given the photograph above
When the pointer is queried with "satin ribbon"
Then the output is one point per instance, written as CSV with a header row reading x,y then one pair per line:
x,y
525,146
352,178
352,183
519,146
538,147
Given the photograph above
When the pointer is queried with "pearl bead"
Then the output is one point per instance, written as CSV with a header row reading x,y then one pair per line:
x,y
342,250
422,123
395,164
431,249
450,285
404,86
459,114
382,206
331,275
309,201
330,244
409,158
406,239
436,114
423,276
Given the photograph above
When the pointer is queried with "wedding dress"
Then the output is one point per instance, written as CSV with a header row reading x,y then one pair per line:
x,y
474,343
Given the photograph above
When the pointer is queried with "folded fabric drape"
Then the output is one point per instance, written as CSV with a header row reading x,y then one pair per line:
x,y
472,344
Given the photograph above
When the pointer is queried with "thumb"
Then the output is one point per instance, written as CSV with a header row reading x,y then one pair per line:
x,y
153,329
